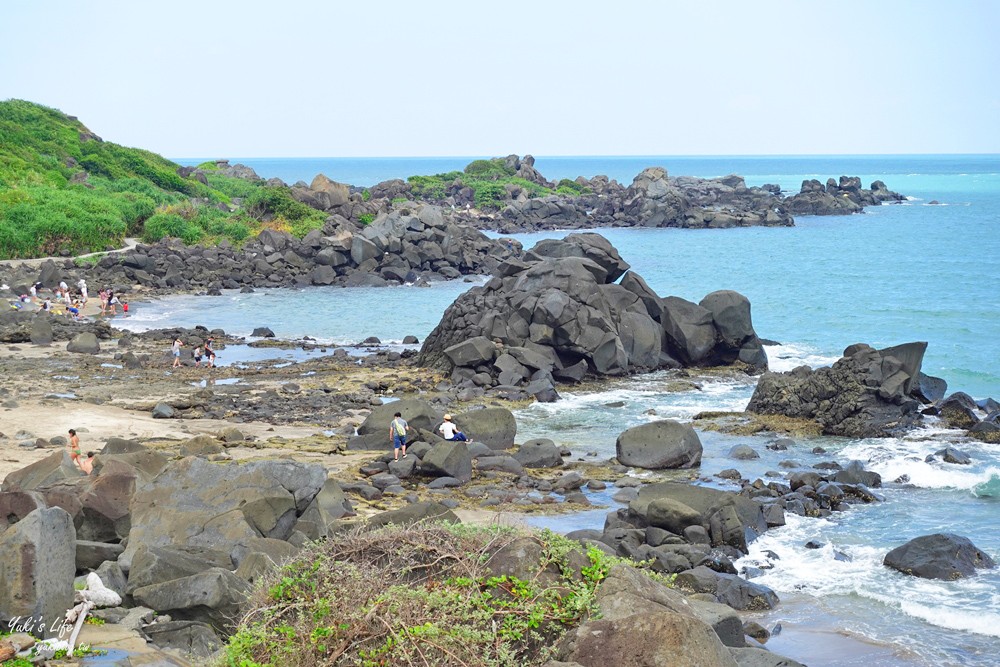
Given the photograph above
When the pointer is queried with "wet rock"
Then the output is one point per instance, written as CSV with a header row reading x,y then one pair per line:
x,y
938,556
658,445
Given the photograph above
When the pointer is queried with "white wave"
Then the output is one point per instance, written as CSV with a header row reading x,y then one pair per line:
x,y
968,605
977,621
784,357
893,458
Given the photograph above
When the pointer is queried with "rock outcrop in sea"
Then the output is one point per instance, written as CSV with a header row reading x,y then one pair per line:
x,y
656,199
867,393
871,393
572,307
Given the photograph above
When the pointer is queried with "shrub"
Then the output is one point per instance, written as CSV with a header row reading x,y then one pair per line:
x,y
163,225
418,595
366,218
490,195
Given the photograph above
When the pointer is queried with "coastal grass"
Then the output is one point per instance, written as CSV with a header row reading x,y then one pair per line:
x,y
489,181
65,191
417,595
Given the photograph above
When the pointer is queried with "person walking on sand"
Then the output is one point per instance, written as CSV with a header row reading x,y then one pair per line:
x,y
82,284
175,350
73,446
397,433
450,431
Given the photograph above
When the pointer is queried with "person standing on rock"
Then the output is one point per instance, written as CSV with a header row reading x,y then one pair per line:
x,y
397,433
175,349
450,431
73,446
83,290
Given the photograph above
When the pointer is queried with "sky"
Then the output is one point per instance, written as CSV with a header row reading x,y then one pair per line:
x,y
298,78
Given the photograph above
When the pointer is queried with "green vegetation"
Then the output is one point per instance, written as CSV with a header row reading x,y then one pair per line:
x,y
63,190
488,180
419,595
366,218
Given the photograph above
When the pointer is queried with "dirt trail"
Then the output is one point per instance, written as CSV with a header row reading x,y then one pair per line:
x,y
129,244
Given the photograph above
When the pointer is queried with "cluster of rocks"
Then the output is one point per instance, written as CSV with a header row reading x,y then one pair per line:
x,y
839,198
410,244
873,393
184,539
571,307
22,326
655,199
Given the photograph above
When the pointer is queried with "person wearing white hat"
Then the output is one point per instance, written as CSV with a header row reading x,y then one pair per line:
x,y
450,431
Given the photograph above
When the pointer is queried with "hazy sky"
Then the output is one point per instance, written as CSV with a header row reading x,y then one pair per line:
x,y
312,78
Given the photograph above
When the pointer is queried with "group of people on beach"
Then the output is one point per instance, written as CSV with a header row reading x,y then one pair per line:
x,y
205,352
84,463
71,304
399,429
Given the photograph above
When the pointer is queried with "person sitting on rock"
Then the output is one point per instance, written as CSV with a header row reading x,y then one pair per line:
x,y
86,464
451,432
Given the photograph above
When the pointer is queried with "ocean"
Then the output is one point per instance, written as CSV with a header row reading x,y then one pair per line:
x,y
927,269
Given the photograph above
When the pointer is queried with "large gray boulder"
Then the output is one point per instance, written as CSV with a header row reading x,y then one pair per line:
x,y
689,328
419,414
727,517
84,343
156,565
41,330
494,427
658,445
540,453
37,567
864,394
448,459
217,506
938,556
214,596
413,513
640,640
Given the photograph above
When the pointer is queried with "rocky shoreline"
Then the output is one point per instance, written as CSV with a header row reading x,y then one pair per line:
x,y
224,473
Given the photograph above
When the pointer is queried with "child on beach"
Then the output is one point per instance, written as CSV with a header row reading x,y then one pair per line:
x,y
197,356
175,350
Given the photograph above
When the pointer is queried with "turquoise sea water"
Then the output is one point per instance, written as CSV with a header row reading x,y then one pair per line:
x,y
898,273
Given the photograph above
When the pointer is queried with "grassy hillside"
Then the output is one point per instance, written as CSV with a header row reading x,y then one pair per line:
x,y
64,190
